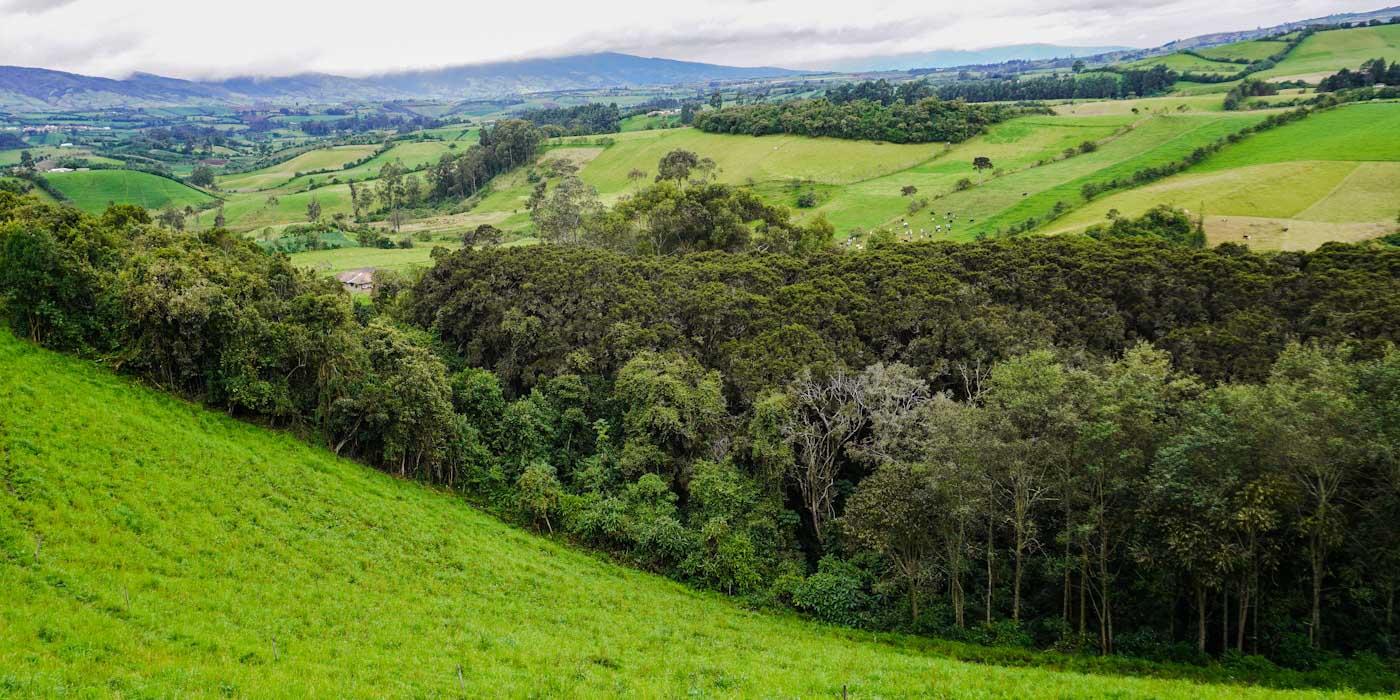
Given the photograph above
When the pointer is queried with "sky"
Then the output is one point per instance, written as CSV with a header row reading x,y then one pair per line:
x,y
200,39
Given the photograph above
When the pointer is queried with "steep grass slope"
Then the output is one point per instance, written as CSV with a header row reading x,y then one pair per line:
x,y
93,190
151,548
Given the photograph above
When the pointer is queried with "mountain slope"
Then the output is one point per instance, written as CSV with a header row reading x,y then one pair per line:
x,y
151,548
37,88
954,59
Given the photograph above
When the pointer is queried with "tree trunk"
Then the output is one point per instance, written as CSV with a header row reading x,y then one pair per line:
x,y
1244,618
913,601
1317,559
1224,618
1083,593
1200,617
991,556
1106,595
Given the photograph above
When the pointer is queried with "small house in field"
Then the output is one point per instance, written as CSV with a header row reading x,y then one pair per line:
x,y
360,280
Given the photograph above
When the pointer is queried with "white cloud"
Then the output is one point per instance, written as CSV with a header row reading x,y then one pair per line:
x,y
199,39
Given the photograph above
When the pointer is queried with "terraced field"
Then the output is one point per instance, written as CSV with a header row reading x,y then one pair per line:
x,y
93,190
1332,176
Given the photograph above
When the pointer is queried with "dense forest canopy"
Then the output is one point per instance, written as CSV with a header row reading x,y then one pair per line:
x,y
924,121
1119,83
580,120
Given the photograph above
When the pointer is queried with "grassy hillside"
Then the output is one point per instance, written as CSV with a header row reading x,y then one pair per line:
x,y
1327,52
1332,176
93,190
151,548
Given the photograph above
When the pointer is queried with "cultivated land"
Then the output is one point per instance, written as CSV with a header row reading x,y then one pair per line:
x,y
93,190
1332,176
151,548
333,158
1327,52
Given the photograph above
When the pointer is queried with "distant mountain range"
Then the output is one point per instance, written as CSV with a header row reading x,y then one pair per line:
x,y
37,88
40,89
954,59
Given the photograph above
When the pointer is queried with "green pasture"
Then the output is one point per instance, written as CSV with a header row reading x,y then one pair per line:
x,y
93,190
1331,51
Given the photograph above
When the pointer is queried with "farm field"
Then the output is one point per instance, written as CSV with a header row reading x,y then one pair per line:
x,y
93,190
342,259
252,210
1327,52
1332,176
1016,197
1249,50
320,159
1186,63
411,154
151,548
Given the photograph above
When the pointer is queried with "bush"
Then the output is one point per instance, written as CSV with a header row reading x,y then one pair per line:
x,y
836,593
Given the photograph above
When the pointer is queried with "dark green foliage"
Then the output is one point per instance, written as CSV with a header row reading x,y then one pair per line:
x,y
581,120
927,120
1162,222
1249,87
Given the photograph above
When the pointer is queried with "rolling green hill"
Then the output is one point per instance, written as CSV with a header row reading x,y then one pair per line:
x,y
1327,52
151,548
93,190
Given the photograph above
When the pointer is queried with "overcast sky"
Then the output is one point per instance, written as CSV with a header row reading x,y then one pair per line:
x,y
204,39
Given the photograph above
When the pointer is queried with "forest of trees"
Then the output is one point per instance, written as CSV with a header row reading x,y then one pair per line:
x,y
510,143
1098,86
1122,445
581,120
927,120
1372,72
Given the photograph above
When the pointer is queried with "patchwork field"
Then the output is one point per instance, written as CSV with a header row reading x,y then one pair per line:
x,y
93,190
1332,176
149,548
332,158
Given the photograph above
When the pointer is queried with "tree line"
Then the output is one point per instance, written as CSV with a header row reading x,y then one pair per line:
x,y
580,120
508,144
1119,445
1100,85
1372,72
927,120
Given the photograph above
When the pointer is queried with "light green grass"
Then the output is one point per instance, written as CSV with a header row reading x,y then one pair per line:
x,y
1009,200
1355,132
251,210
744,158
185,554
1334,175
412,155
93,190
320,159
1248,50
341,259
1186,63
1334,50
